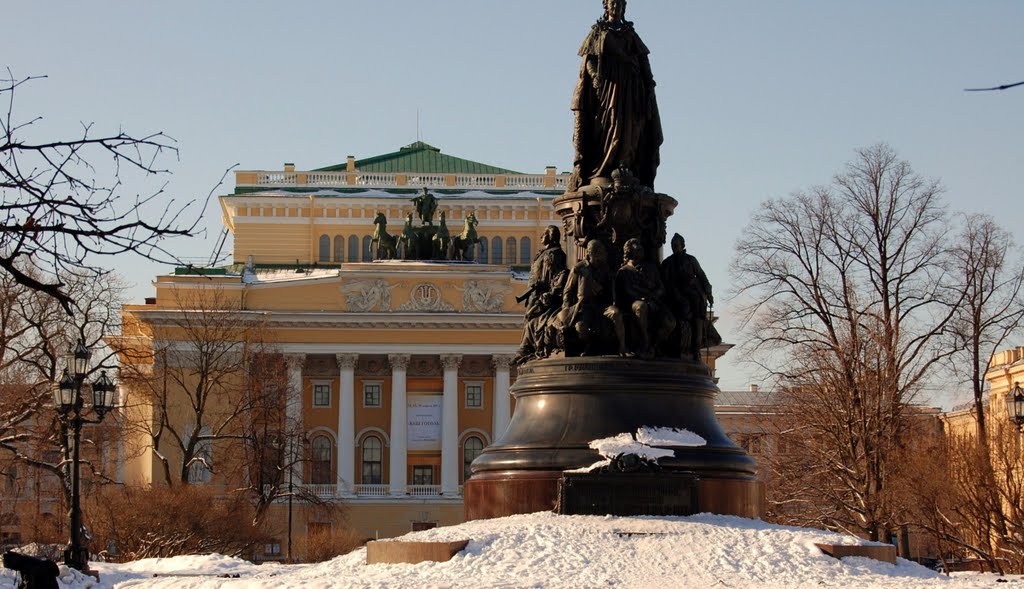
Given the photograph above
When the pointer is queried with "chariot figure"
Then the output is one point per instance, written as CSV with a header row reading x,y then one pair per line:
x,y
425,204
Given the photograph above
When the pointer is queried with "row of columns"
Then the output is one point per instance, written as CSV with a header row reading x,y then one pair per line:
x,y
451,459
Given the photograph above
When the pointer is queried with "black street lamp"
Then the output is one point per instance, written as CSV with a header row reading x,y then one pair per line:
x,y
67,397
1015,405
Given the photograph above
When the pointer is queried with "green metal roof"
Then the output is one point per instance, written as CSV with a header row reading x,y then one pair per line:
x,y
422,158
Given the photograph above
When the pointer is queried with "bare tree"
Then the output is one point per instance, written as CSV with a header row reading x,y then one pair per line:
x,y
956,503
194,380
37,333
986,282
848,283
269,437
65,200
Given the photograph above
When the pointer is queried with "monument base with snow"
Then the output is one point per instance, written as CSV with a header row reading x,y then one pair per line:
x,y
644,429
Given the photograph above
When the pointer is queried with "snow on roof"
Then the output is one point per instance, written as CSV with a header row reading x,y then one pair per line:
x,y
283,275
548,550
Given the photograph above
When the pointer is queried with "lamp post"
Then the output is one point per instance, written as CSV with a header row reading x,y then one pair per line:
x,y
1015,405
67,396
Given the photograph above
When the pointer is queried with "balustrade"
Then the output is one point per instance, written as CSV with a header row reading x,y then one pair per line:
x,y
390,179
424,490
373,490
331,491
321,491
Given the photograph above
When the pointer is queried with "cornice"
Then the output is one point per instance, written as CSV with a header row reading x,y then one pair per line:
x,y
397,320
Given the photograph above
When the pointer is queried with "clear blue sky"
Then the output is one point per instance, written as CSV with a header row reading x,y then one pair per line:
x,y
757,98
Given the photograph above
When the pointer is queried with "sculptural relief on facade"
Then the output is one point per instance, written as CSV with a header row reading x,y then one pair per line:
x,y
372,365
475,366
426,297
424,366
364,296
479,296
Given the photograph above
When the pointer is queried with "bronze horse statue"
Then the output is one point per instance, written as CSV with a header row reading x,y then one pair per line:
x,y
442,240
462,244
408,240
385,245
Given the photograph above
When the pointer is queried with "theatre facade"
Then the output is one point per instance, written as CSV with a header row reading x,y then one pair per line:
x,y
399,371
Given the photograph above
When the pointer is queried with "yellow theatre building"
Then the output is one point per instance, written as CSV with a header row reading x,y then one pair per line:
x,y
398,371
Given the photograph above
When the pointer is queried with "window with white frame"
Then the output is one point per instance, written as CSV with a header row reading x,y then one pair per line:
x,y
422,474
373,459
322,447
474,395
371,394
321,394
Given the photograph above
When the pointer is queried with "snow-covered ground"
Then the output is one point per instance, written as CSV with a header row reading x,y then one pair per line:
x,y
547,550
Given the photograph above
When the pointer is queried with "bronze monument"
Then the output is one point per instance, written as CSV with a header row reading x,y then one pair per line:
x,y
426,242
612,342
543,298
617,126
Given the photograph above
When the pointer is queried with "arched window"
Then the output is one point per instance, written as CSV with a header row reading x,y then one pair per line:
x,y
481,251
470,450
496,251
372,461
367,256
353,249
524,251
325,248
510,250
321,471
200,468
339,248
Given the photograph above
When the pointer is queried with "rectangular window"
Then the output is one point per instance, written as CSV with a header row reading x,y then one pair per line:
x,y
423,475
371,394
474,395
321,394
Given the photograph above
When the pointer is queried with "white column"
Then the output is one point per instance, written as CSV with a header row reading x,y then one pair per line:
x,y
399,423
450,426
293,413
121,441
502,402
347,424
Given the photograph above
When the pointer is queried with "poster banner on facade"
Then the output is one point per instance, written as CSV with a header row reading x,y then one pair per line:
x,y
424,422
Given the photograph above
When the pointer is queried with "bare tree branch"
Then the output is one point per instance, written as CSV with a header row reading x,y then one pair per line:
x,y
66,200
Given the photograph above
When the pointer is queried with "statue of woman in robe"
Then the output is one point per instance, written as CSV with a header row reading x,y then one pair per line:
x,y
617,125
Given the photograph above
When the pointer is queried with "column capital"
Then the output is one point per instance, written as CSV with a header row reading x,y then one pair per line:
x,y
295,361
502,361
399,361
347,361
451,361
